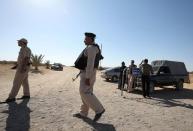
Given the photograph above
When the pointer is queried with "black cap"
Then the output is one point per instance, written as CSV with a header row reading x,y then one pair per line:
x,y
146,60
88,34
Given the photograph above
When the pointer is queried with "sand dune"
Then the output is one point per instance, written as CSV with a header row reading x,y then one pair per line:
x,y
55,98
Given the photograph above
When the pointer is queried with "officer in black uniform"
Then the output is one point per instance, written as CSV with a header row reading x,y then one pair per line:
x,y
121,77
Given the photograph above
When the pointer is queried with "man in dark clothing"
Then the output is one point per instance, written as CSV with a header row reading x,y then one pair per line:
x,y
121,77
146,70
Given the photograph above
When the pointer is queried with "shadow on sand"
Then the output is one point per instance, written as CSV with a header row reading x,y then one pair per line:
x,y
109,81
36,71
99,126
168,97
18,116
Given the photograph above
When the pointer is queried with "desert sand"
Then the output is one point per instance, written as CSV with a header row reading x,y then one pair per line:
x,y
55,98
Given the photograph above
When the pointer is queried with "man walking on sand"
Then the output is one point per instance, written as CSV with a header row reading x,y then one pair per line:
x,y
88,62
21,75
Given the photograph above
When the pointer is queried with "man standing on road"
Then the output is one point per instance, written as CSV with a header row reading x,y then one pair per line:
x,y
88,62
21,75
121,77
131,77
146,70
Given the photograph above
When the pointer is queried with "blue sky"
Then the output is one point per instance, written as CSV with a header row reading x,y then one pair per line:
x,y
127,29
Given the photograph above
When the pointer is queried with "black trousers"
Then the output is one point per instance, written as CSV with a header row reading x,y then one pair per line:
x,y
145,85
121,81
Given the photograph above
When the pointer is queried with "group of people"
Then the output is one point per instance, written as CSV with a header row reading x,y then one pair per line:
x,y
128,75
87,63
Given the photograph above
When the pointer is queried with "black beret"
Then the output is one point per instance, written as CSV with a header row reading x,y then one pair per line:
x,y
88,34
146,60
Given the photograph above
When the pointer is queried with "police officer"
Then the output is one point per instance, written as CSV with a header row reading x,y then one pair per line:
x,y
131,76
146,70
121,77
21,75
88,77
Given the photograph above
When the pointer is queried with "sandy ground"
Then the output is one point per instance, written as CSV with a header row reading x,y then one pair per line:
x,y
55,98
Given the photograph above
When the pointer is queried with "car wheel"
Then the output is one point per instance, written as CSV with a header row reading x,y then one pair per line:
x,y
180,85
114,79
151,87
107,79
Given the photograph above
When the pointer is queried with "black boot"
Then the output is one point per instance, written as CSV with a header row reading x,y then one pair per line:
x,y
25,97
10,100
98,116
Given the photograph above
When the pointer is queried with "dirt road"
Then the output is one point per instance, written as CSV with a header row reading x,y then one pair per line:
x,y
55,98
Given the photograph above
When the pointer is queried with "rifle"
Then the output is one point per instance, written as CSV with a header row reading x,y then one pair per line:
x,y
73,79
14,67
